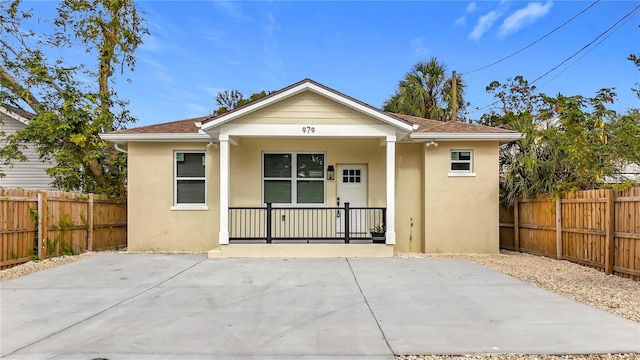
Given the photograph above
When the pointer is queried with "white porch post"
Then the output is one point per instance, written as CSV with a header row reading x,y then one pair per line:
x,y
223,237
391,190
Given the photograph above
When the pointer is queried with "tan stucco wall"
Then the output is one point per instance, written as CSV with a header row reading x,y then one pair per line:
x,y
307,106
409,197
461,213
152,225
246,166
434,211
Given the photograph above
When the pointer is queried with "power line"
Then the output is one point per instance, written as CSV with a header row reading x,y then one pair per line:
x,y
533,43
585,54
586,46
622,20
484,107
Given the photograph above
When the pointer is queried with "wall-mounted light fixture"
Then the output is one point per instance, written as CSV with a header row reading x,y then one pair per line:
x,y
330,172
431,143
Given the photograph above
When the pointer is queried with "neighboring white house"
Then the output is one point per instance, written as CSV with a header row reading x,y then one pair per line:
x,y
28,174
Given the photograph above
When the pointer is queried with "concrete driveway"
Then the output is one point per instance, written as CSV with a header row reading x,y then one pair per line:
x,y
143,306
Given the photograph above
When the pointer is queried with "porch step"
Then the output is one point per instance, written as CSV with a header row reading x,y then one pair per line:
x,y
301,250
215,253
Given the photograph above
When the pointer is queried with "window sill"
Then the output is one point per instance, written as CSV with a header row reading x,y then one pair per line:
x,y
462,174
189,208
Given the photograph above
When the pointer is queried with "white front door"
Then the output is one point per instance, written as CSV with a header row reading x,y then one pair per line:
x,y
352,188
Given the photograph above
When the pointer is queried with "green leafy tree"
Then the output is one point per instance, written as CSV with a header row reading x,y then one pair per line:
x,y
69,113
426,91
570,143
635,58
231,99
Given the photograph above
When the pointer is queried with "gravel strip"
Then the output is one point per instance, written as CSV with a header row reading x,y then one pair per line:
x,y
611,293
33,266
523,357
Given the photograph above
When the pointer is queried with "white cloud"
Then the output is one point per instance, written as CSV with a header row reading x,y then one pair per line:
x,y
195,109
273,61
232,9
525,16
462,20
211,91
161,74
419,47
485,22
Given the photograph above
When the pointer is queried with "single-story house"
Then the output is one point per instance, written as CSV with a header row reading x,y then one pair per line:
x,y
309,171
29,174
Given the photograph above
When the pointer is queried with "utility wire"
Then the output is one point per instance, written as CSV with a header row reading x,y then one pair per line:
x,y
533,43
484,107
585,54
586,46
623,20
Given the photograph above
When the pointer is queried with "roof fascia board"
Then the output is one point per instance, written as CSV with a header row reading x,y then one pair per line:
x,y
319,90
13,115
160,137
466,136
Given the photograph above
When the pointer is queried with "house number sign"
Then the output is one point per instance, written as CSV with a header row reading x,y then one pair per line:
x,y
308,129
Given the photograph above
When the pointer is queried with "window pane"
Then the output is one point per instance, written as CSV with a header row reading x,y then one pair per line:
x,y
191,165
310,192
310,166
277,191
455,155
465,155
277,165
190,192
461,166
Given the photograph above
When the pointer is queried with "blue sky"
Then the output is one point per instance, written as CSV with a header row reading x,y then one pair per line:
x,y
362,48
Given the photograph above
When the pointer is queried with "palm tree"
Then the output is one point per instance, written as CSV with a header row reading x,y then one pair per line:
x,y
426,92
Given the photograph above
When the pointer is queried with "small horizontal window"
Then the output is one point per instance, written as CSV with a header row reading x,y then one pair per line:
x,y
461,161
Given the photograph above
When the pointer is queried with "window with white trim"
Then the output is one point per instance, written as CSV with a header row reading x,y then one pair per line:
x,y
461,161
190,181
293,178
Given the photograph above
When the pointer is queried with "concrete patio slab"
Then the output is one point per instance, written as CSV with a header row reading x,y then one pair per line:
x,y
147,306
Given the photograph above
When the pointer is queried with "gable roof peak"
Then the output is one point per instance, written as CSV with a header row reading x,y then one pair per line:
x,y
299,87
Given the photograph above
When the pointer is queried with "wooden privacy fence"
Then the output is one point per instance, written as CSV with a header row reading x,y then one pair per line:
x,y
597,228
47,224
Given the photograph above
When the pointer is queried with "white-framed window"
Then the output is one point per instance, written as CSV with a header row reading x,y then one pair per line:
x,y
461,162
294,178
190,179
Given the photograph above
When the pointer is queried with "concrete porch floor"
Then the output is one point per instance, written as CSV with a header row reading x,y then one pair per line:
x,y
302,251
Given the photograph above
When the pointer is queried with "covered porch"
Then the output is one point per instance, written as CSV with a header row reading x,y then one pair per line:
x,y
307,166
334,191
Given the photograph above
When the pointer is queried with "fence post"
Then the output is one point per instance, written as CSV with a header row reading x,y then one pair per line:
x,y
609,242
559,228
516,228
42,224
90,223
346,223
268,223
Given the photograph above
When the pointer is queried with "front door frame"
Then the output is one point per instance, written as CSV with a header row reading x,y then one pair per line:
x,y
358,224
